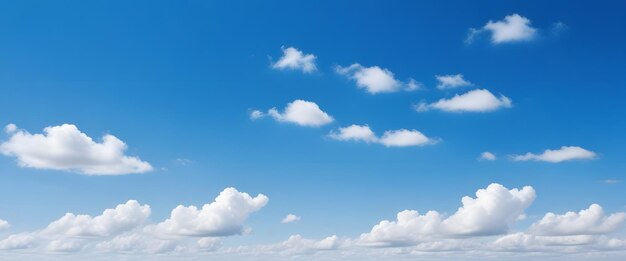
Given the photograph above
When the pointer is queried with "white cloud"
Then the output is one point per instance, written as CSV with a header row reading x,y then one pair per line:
x,y
480,100
111,222
376,80
392,138
404,138
303,113
514,28
354,133
223,217
67,148
565,153
451,81
256,114
4,225
487,156
491,213
290,218
10,128
591,221
18,241
296,60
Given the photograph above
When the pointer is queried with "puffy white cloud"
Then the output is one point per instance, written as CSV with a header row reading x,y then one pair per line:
x,y
18,241
375,79
565,153
392,138
404,138
451,81
223,217
492,212
354,133
487,156
10,128
514,28
303,113
290,218
589,221
111,222
480,100
67,148
4,225
296,60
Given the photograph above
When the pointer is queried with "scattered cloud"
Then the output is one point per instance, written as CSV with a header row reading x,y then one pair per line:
x,y
451,81
392,138
611,181
487,156
65,147
4,225
290,218
565,153
127,228
376,80
300,112
223,217
256,114
295,59
492,212
513,28
591,221
480,100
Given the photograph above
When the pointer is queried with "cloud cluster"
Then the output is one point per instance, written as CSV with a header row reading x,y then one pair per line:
x,y
391,138
480,100
65,147
492,212
295,59
513,28
565,153
591,221
126,228
375,79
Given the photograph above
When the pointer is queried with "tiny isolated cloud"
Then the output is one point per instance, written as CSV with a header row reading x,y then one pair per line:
x,y
290,218
513,28
565,153
480,100
391,138
451,81
590,221
299,112
4,225
376,80
295,59
487,156
65,147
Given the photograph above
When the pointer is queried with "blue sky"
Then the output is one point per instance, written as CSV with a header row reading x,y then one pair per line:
x,y
176,81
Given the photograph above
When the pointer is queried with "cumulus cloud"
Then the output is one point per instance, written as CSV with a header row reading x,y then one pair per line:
x,y
256,114
300,112
295,59
487,156
223,217
112,221
492,212
376,80
290,218
451,81
513,28
480,100
392,138
591,221
65,147
4,225
565,153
